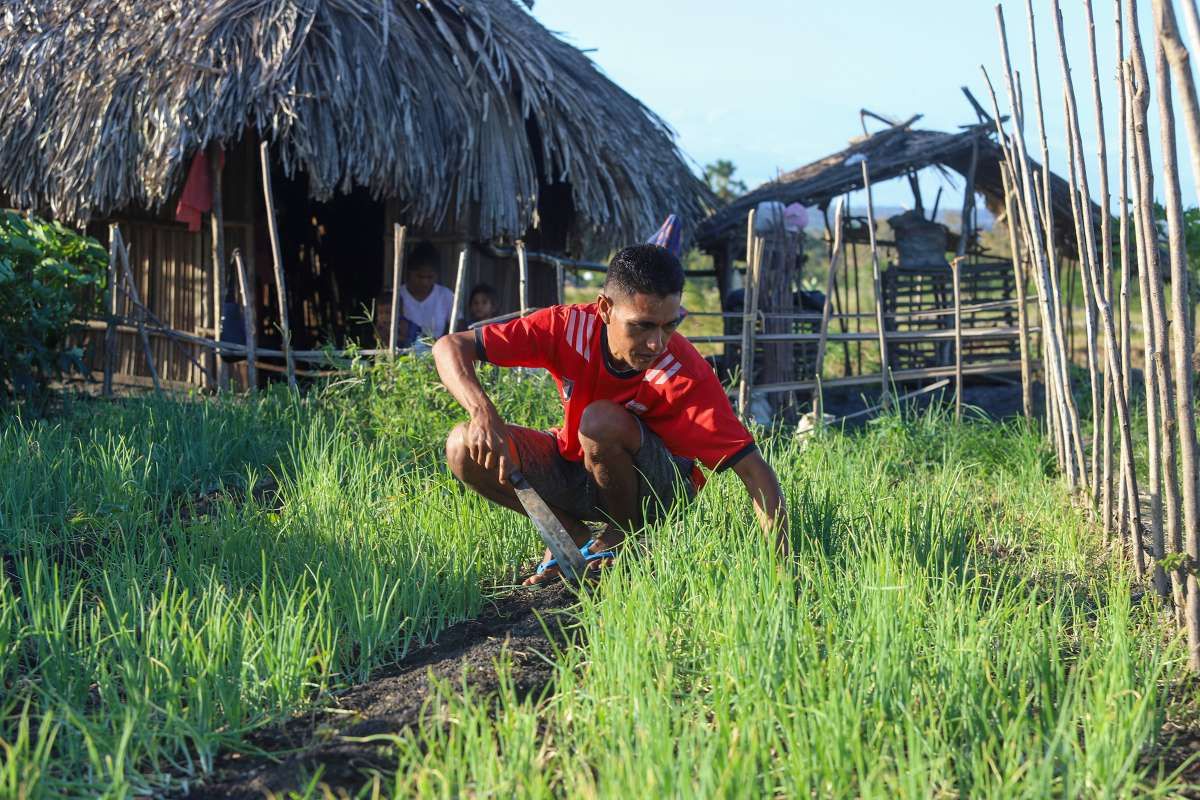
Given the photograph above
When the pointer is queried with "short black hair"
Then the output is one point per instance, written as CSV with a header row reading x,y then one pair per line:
x,y
424,256
645,269
487,291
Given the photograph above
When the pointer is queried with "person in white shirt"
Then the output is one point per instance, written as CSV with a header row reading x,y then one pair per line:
x,y
426,302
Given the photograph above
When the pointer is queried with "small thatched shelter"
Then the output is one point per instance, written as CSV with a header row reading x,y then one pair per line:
x,y
918,278
468,122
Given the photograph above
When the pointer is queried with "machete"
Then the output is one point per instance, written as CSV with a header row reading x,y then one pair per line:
x,y
561,545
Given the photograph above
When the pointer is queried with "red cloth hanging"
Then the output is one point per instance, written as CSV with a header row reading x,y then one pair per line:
x,y
196,198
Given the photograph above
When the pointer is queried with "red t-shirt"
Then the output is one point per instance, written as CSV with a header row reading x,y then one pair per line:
x,y
678,397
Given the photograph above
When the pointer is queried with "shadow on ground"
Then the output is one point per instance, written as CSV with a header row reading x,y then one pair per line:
x,y
395,700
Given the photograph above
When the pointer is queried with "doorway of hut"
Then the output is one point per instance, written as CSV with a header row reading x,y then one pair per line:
x,y
333,254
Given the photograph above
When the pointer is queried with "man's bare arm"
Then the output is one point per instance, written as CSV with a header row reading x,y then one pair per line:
x,y
455,356
763,485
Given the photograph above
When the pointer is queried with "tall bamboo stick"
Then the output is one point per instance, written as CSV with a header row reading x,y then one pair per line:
x,y
1167,421
958,364
1106,271
249,320
1183,76
1149,382
139,309
1074,444
110,305
1048,287
1098,295
1010,212
285,329
1181,350
217,221
749,321
523,277
1126,376
459,277
875,274
399,234
835,257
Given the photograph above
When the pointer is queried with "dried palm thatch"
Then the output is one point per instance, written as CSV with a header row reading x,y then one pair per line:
x,y
442,104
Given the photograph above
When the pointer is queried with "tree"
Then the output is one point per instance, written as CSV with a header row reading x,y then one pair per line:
x,y
719,177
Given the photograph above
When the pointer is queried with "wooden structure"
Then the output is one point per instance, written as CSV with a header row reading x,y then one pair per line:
x,y
917,310
469,124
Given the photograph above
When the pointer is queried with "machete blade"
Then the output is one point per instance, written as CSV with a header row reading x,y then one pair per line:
x,y
561,545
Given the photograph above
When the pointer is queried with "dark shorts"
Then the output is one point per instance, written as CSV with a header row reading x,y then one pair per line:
x,y
664,479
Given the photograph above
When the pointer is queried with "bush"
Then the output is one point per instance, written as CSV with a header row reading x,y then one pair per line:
x,y
48,275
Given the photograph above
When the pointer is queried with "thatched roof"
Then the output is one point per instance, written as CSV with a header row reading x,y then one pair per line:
x,y
890,153
438,103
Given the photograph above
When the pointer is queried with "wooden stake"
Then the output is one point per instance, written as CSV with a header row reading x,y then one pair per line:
x,y
1125,502
399,234
460,275
217,221
1022,313
1167,421
1074,444
110,331
749,316
1106,271
140,312
1181,350
523,276
884,387
561,280
835,257
277,257
958,365
249,321
1042,251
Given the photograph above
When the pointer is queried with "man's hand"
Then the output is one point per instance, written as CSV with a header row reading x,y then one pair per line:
x,y
487,443
763,485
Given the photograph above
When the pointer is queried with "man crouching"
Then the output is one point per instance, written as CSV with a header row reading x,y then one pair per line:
x,y
641,409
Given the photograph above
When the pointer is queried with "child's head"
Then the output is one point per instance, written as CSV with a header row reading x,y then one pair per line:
x,y
484,302
422,271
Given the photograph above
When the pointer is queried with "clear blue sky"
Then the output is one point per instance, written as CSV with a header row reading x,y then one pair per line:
x,y
775,84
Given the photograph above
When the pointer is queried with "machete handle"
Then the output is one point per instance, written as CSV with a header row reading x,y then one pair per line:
x,y
515,477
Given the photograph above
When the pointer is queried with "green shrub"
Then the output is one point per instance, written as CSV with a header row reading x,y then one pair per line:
x,y
48,275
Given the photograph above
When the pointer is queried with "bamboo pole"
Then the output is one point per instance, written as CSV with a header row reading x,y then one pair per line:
x,y
399,234
459,277
750,321
249,321
1180,65
1105,246
1073,439
1048,287
523,276
216,219
1022,312
131,284
277,257
1181,349
884,381
110,304
958,364
1101,300
834,259
1167,421
1149,382
1126,376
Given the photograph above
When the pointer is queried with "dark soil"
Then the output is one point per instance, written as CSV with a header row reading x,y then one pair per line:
x,y
396,699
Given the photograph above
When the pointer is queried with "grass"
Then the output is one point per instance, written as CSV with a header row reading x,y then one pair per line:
x,y
950,626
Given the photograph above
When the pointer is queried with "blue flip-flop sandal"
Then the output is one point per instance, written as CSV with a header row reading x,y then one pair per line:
x,y
585,551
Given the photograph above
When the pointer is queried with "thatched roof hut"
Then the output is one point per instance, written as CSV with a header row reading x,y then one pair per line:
x,y
441,104
467,122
